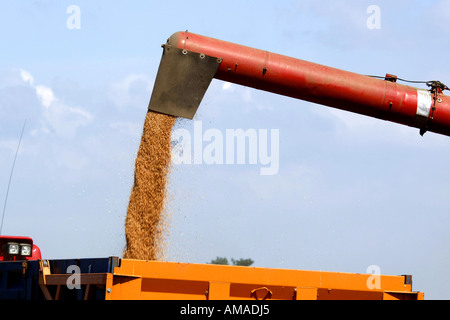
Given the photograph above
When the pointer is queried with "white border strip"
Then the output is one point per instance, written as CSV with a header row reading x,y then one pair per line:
x,y
424,102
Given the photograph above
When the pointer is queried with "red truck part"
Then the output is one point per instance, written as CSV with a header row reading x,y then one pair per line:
x,y
15,248
427,110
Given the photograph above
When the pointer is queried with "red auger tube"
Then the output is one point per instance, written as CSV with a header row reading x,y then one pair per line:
x,y
428,110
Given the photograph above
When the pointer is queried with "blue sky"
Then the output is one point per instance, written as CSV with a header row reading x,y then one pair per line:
x,y
350,191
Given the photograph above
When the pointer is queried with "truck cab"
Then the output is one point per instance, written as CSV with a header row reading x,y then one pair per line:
x,y
16,248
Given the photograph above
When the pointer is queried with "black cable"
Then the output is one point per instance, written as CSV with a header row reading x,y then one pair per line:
x,y
432,83
10,177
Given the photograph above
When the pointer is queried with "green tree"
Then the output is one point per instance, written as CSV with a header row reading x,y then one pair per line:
x,y
220,260
240,262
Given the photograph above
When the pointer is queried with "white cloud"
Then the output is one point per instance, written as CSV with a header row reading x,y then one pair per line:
x,y
57,116
131,91
26,77
244,92
64,120
228,86
45,95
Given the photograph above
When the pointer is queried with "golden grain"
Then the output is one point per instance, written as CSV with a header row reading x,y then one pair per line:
x,y
144,224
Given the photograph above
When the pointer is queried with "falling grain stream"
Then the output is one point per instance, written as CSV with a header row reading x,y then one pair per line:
x,y
144,224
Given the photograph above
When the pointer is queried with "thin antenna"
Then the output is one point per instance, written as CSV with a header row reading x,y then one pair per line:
x,y
10,176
